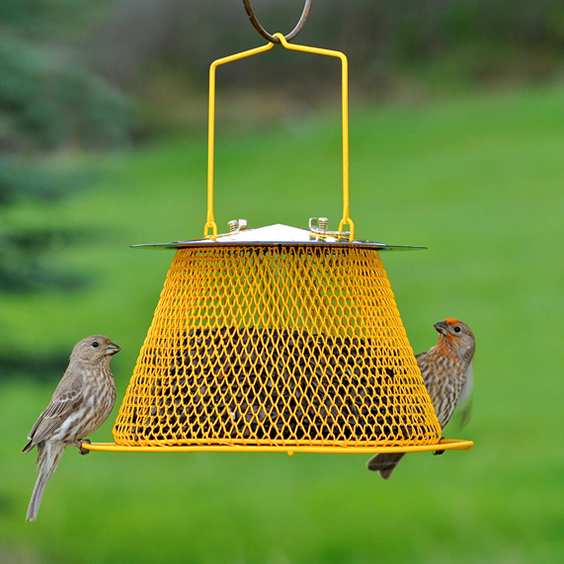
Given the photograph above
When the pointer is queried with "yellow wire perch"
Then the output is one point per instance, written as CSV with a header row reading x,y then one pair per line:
x,y
445,444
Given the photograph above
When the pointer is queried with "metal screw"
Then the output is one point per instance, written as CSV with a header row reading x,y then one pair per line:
x,y
318,227
237,225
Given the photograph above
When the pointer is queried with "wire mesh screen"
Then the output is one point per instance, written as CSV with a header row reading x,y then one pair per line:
x,y
279,346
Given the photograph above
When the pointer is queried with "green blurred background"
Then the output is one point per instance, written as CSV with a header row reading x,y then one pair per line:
x,y
457,142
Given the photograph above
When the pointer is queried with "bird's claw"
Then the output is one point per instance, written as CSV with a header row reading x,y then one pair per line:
x,y
438,452
81,449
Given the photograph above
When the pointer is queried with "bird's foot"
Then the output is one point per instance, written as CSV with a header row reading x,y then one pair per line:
x,y
439,452
81,449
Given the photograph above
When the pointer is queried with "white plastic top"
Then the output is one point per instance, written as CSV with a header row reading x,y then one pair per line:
x,y
277,233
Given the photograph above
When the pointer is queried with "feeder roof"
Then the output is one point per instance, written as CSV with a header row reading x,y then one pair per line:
x,y
277,234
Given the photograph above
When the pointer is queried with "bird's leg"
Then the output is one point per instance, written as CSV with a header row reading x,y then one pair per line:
x,y
79,444
439,452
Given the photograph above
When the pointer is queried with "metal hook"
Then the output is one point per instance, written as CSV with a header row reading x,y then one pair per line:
x,y
268,36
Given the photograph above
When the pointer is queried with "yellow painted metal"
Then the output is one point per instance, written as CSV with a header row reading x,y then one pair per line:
x,y
346,223
210,217
445,444
277,347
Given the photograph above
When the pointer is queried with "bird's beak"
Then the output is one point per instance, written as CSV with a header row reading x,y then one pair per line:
x,y
113,349
441,327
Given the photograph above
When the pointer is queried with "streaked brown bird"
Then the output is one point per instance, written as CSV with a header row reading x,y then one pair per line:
x,y
447,372
81,402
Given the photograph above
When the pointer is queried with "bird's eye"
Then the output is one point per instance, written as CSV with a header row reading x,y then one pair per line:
x,y
457,329
95,344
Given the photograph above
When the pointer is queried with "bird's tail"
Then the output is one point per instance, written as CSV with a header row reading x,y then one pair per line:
x,y
47,460
28,446
385,463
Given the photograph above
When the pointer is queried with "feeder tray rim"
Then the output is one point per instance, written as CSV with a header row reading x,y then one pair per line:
x,y
277,235
369,245
443,444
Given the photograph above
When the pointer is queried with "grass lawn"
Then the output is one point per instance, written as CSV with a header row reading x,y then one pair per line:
x,y
480,180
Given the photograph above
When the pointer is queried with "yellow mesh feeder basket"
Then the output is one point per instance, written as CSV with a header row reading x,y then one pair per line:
x,y
277,339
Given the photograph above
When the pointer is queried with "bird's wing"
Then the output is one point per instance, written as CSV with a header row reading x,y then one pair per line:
x,y
465,399
61,406
422,363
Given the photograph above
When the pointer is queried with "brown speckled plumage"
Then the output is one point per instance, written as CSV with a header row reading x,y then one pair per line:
x,y
447,372
80,403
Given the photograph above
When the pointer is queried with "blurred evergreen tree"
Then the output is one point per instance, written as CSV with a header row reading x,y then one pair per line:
x,y
49,101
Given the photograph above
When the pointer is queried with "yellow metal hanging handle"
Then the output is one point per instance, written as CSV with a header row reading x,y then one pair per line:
x,y
346,224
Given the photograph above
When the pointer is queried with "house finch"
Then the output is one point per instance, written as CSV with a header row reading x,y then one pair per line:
x,y
447,372
80,404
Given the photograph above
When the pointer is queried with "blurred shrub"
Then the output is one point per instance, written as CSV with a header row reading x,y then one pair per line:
x,y
159,51
48,19
27,252
48,101
26,263
381,36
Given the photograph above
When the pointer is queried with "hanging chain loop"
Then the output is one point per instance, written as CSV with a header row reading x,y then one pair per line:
x,y
272,37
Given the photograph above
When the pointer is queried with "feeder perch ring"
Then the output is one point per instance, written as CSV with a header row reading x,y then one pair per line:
x,y
444,444
268,36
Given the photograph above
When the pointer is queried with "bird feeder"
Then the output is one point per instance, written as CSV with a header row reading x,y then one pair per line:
x,y
278,338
